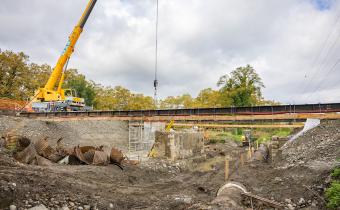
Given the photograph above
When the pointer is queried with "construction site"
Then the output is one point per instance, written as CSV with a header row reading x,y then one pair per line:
x,y
69,143
93,163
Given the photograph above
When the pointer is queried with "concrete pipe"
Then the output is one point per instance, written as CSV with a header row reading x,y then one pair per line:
x,y
261,154
229,196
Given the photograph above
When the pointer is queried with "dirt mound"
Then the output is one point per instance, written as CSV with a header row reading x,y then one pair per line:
x,y
104,187
298,180
316,149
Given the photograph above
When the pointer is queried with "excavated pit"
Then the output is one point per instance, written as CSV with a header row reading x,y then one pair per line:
x,y
295,180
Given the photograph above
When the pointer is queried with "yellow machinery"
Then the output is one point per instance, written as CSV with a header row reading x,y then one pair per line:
x,y
170,125
246,138
153,152
52,97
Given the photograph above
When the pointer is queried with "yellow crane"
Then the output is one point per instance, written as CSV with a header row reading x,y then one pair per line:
x,y
52,97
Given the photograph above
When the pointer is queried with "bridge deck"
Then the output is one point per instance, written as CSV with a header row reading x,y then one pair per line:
x,y
274,113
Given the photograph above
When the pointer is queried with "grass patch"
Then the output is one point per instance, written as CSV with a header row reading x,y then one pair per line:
x,y
336,173
213,141
333,192
262,135
333,195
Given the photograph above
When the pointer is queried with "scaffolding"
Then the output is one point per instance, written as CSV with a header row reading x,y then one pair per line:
x,y
135,136
142,137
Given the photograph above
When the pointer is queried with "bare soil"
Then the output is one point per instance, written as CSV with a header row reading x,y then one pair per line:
x,y
136,187
301,174
297,181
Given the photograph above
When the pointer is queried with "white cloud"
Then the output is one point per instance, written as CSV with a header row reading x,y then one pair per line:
x,y
198,42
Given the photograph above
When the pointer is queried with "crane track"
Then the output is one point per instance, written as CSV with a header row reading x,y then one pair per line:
x,y
255,110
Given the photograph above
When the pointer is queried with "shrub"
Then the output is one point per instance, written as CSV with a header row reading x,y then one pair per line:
x,y
333,195
336,173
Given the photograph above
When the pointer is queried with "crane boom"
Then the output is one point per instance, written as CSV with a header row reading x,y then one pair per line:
x,y
52,97
57,71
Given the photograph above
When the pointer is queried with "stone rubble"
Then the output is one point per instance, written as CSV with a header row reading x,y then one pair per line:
x,y
316,149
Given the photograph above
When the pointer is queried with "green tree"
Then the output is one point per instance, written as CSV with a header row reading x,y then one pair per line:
x,y
104,99
19,79
14,75
208,98
243,87
177,102
141,102
268,103
186,100
169,103
39,75
122,97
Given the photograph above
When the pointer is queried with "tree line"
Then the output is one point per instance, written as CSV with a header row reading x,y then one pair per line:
x,y
20,78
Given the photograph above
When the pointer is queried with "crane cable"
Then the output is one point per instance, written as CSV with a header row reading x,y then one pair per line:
x,y
304,85
321,82
155,83
318,57
323,65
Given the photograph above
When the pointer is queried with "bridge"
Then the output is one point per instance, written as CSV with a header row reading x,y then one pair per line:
x,y
255,116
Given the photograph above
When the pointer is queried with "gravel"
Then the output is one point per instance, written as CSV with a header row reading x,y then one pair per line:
x,y
317,149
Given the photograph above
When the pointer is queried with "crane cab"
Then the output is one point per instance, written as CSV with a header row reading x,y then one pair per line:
x,y
54,101
70,97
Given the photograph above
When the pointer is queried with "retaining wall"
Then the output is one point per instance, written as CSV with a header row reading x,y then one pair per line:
x,y
90,132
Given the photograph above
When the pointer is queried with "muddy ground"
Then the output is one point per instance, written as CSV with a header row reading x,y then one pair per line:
x,y
297,181
300,175
153,185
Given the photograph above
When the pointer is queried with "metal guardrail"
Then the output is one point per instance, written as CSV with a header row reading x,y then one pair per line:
x,y
255,110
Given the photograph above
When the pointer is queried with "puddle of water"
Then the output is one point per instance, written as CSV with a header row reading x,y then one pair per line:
x,y
209,164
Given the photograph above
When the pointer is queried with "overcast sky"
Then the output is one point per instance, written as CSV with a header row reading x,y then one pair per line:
x,y
292,44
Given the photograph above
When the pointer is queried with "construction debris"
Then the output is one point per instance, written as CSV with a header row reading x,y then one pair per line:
x,y
27,155
41,153
267,202
116,156
229,196
295,180
14,142
261,154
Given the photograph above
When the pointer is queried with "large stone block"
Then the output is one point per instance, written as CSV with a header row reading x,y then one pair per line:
x,y
178,145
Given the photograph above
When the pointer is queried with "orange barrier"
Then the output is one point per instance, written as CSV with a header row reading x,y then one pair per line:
x,y
11,104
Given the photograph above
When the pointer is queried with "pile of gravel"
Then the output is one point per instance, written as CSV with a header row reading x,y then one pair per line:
x,y
316,149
